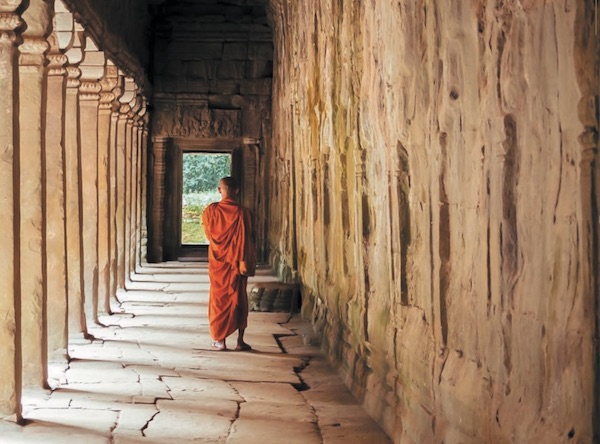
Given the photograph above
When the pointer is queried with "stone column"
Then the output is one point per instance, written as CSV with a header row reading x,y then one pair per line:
x,y
130,141
32,79
134,194
127,186
56,265
10,328
131,187
113,196
120,206
139,193
92,69
88,108
122,143
108,83
159,150
144,193
77,321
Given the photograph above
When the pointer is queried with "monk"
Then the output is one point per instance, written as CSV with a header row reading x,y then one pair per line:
x,y
229,230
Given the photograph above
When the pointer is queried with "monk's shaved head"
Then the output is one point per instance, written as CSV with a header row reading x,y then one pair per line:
x,y
230,182
228,187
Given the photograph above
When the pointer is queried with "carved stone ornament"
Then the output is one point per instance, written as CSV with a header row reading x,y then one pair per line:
x,y
56,65
89,90
34,46
31,52
73,74
191,120
106,100
9,22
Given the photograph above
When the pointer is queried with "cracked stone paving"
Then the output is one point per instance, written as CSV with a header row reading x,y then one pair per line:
x,y
148,376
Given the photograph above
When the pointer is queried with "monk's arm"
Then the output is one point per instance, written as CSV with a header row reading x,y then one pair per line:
x,y
206,224
249,253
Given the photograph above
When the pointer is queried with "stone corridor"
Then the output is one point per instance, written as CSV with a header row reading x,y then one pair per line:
x,y
149,376
426,172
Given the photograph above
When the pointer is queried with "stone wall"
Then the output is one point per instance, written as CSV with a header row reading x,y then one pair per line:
x,y
436,195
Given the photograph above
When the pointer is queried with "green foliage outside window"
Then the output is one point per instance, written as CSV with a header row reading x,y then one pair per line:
x,y
201,172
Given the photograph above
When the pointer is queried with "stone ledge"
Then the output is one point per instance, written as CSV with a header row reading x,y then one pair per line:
x,y
274,297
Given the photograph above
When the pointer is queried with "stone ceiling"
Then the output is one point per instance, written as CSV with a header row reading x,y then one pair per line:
x,y
210,20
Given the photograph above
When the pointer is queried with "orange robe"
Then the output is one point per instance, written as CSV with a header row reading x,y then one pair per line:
x,y
228,228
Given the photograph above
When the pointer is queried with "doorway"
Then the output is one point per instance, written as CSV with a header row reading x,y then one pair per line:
x,y
201,173
193,168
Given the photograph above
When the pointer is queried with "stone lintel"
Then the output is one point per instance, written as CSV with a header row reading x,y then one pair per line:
x,y
210,144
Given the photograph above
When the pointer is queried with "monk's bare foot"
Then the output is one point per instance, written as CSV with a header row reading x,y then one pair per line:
x,y
218,346
243,347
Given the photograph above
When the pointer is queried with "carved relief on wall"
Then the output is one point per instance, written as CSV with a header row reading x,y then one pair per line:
x,y
195,120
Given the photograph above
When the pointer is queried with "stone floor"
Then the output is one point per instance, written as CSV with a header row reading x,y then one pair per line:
x,y
150,377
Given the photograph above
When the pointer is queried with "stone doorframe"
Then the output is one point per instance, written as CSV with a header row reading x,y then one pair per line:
x,y
165,182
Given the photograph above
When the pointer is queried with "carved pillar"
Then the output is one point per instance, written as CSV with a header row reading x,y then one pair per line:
x,y
130,141
32,79
144,194
92,69
10,328
77,322
56,265
113,158
155,231
131,222
120,202
139,187
135,178
127,214
123,142
108,83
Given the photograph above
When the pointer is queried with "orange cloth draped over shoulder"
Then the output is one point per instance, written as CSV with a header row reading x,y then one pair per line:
x,y
228,228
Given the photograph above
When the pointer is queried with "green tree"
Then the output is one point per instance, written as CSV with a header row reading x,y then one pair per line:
x,y
202,171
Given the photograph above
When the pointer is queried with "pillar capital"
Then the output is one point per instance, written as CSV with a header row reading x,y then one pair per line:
x,y
8,24
73,75
124,110
56,64
89,90
110,85
32,51
106,100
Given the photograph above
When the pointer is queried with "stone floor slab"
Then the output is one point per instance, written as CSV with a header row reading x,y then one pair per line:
x,y
190,388
47,433
274,430
205,419
93,420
